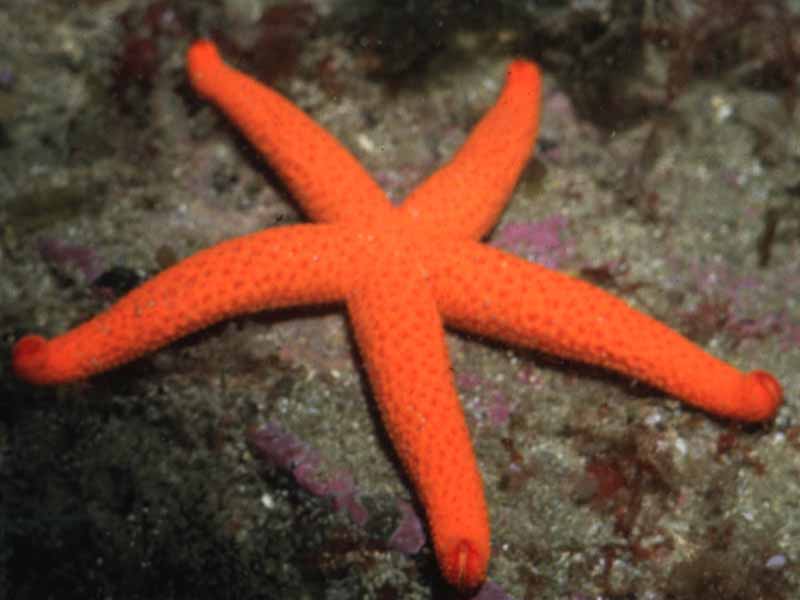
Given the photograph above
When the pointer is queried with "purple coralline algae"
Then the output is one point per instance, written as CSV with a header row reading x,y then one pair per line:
x,y
284,450
539,241
409,537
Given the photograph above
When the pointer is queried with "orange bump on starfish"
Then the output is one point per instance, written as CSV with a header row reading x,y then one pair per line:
x,y
402,272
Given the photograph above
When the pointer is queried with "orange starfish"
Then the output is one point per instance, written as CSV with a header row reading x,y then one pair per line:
x,y
402,272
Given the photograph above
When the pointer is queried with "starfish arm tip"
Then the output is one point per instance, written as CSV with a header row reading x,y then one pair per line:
x,y
763,395
29,358
521,69
465,567
203,49
202,56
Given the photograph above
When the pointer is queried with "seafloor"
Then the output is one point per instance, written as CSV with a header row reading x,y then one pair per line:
x,y
666,172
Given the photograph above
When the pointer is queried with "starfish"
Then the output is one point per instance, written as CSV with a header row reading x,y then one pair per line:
x,y
402,272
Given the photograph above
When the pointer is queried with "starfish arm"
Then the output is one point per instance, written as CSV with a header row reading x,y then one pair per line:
x,y
401,340
327,181
302,264
466,196
498,295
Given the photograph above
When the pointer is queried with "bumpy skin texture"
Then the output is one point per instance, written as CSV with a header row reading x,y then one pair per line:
x,y
402,272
